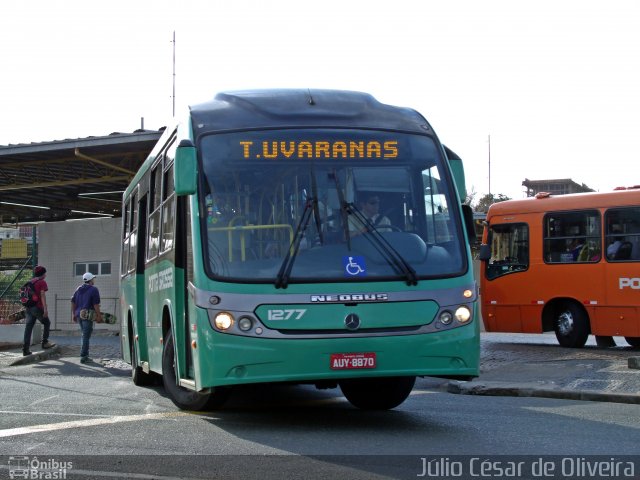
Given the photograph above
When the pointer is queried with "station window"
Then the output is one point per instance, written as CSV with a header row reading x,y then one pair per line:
x,y
97,268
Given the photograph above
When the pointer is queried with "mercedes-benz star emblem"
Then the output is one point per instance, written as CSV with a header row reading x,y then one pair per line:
x,y
352,321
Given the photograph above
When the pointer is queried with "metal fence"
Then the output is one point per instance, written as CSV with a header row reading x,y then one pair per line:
x,y
17,259
61,318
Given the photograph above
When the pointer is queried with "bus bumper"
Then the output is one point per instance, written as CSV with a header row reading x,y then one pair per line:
x,y
231,360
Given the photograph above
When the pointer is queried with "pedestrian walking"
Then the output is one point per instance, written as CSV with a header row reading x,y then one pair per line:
x,y
38,311
85,309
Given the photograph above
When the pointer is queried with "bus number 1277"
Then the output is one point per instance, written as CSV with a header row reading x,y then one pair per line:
x,y
287,314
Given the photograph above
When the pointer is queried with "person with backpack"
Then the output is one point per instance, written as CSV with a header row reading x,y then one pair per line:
x,y
36,309
85,309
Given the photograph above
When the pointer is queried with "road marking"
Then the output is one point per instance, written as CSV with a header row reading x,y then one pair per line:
x,y
54,413
12,432
43,400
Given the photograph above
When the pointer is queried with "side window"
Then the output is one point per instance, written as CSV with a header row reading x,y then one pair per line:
x,y
571,237
622,234
168,211
133,239
126,230
439,226
153,245
509,249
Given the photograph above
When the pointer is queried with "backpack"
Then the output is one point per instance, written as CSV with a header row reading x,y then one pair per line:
x,y
28,295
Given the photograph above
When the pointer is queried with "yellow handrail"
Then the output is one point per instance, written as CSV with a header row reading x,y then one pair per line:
x,y
242,229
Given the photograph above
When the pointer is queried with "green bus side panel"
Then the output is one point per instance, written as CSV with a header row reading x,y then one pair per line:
x,y
132,308
166,306
161,285
457,169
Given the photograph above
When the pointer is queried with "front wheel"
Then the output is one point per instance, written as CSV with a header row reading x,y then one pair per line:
x,y
571,325
633,341
377,393
180,396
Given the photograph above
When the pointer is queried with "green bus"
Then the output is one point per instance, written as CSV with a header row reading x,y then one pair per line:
x,y
248,255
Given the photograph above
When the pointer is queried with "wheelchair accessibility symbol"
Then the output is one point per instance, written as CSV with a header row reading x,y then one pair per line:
x,y
354,266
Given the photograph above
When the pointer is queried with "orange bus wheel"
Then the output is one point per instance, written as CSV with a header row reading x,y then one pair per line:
x,y
571,325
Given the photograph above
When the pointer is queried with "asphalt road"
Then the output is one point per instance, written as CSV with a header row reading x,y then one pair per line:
x,y
94,417
61,409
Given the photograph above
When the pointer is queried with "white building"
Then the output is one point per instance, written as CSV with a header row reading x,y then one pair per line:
x,y
69,249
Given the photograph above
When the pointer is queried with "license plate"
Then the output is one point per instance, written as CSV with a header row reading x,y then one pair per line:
x,y
350,361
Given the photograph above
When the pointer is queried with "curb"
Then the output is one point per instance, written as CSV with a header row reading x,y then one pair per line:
x,y
510,390
36,357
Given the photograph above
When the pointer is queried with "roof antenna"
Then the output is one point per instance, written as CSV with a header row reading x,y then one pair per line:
x,y
311,100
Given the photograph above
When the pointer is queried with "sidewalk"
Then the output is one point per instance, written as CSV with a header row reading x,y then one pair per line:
x,y
104,345
536,366
511,365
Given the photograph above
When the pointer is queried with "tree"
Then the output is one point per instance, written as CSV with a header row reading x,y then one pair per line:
x,y
487,200
471,196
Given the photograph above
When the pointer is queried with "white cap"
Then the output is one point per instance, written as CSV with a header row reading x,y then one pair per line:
x,y
87,277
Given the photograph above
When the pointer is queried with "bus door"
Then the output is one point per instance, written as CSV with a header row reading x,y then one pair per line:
x,y
140,330
621,315
502,277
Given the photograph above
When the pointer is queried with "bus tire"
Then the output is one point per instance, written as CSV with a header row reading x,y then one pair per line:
x,y
377,393
633,341
138,376
571,325
183,398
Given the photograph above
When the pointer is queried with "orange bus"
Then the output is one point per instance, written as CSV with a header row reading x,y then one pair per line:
x,y
565,263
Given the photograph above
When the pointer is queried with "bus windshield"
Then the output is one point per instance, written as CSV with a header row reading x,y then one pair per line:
x,y
329,205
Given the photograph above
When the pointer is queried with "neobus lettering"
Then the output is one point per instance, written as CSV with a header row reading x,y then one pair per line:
x,y
323,149
633,283
350,297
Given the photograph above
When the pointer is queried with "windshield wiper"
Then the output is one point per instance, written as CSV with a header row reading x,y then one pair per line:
x,y
380,243
282,279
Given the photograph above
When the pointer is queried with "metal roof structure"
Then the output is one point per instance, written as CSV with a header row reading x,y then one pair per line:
x,y
70,179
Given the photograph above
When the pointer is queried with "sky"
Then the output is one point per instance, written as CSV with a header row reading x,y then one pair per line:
x,y
518,89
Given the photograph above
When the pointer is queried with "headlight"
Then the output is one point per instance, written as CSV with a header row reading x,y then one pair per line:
x,y
223,320
463,314
446,318
245,324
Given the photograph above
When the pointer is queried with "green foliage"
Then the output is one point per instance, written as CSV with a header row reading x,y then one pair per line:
x,y
489,199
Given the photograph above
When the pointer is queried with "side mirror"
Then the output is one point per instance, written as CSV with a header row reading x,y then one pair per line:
x,y
185,169
468,222
485,252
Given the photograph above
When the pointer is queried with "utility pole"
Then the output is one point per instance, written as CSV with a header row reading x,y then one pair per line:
x,y
489,139
173,96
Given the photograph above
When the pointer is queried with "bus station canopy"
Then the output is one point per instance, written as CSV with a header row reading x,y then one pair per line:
x,y
70,179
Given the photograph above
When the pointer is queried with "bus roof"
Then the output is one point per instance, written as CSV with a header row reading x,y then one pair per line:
x,y
282,108
544,203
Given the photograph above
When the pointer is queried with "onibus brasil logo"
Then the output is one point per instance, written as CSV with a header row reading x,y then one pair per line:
x,y
33,467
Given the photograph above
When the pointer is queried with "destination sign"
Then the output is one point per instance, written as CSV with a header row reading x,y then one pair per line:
x,y
320,149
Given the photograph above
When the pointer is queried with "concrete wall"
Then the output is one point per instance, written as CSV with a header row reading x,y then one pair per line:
x,y
61,245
